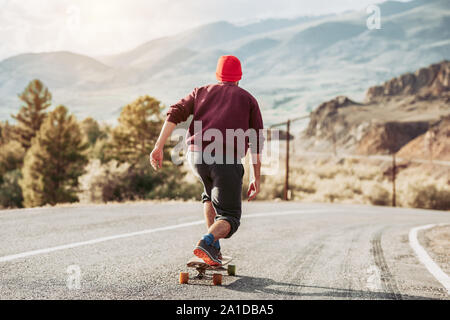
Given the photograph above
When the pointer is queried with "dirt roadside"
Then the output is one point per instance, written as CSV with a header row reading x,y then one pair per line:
x,y
436,242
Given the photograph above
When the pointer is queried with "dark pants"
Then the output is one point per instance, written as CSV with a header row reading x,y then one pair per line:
x,y
222,186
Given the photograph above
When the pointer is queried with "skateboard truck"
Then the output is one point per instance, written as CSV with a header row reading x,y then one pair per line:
x,y
201,273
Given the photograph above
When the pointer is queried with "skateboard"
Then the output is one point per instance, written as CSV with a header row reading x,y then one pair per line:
x,y
201,267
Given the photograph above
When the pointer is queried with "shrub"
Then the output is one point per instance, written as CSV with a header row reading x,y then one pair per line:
x,y
428,196
115,181
102,183
11,156
327,171
379,196
272,187
10,191
92,130
100,150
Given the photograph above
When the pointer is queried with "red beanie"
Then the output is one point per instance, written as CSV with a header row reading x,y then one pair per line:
x,y
228,69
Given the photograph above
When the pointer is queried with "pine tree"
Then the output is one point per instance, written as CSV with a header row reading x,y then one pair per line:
x,y
54,161
37,98
132,141
137,131
92,130
6,132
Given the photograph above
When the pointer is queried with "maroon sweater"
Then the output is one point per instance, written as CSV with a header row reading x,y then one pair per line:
x,y
220,106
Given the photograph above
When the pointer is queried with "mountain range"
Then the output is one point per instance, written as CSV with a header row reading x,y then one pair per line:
x,y
408,115
289,65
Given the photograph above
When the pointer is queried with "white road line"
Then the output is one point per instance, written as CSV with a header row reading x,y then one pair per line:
x,y
285,213
423,256
138,233
93,241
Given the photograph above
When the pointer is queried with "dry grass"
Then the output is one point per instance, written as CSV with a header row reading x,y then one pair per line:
x,y
437,244
346,181
355,181
420,187
438,240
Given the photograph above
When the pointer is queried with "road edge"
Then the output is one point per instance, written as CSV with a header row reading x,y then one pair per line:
x,y
423,256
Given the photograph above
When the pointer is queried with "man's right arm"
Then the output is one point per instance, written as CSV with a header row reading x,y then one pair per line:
x,y
256,123
181,110
177,113
254,187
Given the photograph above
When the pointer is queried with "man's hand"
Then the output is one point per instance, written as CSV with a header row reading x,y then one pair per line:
x,y
253,189
156,158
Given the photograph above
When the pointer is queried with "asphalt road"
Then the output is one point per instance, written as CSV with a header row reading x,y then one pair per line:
x,y
282,251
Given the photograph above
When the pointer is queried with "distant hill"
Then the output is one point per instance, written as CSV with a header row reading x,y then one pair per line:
x,y
434,144
290,65
400,116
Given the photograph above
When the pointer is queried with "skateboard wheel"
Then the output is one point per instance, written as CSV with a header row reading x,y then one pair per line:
x,y
184,277
217,279
231,270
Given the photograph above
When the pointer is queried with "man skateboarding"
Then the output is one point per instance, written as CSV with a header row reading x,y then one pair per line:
x,y
226,122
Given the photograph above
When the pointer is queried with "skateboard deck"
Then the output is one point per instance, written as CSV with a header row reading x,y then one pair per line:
x,y
201,267
198,263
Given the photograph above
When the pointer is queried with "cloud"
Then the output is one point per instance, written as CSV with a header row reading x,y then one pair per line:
x,y
103,27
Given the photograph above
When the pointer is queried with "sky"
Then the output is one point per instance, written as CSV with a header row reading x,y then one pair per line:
x,y
102,27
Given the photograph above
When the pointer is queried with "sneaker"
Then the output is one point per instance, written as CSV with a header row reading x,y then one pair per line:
x,y
208,253
217,246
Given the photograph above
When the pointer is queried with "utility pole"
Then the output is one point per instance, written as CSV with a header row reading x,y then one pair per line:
x,y
286,181
393,179
288,134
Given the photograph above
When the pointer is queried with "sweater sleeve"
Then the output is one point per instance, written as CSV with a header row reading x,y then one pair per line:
x,y
256,123
181,110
